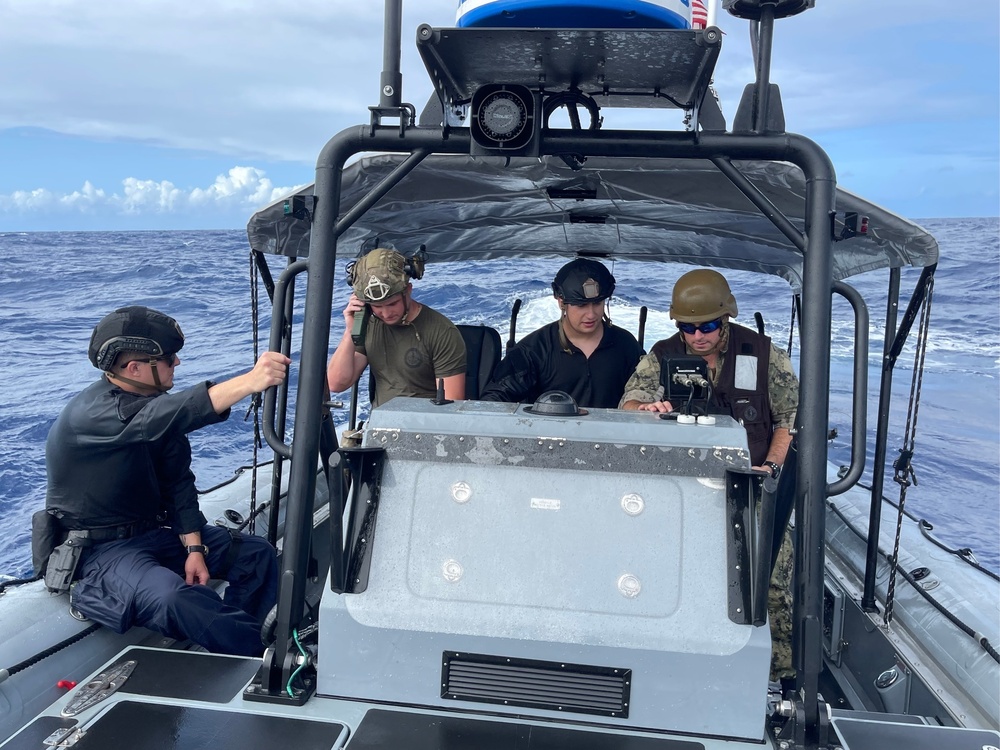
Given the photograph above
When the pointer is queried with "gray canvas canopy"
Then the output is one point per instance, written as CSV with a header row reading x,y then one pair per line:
x,y
661,210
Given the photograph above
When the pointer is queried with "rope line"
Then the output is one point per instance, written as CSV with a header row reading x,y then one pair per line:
x,y
905,475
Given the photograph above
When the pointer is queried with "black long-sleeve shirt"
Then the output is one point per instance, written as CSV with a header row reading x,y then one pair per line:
x,y
115,458
540,364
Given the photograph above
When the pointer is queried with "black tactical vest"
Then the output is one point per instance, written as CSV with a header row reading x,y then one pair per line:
x,y
750,353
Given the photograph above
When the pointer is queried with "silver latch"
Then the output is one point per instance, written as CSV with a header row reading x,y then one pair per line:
x,y
99,688
64,737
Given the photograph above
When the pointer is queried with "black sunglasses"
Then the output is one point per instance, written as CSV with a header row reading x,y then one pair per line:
x,y
170,359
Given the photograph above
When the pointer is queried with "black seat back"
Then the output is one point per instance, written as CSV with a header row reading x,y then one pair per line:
x,y
482,355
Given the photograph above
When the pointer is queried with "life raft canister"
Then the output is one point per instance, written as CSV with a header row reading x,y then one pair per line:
x,y
575,14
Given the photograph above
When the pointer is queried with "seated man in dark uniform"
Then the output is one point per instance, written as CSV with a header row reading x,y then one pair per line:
x,y
121,492
581,353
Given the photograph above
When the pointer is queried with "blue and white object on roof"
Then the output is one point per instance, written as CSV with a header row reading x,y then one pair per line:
x,y
575,14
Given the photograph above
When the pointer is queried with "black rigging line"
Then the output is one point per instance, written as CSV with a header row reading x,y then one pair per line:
x,y
981,639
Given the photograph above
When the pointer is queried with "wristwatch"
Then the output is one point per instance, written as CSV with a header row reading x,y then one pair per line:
x,y
203,549
775,470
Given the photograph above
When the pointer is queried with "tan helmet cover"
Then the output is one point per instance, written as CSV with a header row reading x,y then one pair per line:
x,y
379,275
702,295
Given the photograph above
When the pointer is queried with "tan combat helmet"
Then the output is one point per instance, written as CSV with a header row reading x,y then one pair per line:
x,y
702,295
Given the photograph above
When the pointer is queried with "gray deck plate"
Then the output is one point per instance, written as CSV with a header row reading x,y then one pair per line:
x,y
148,726
381,729
187,675
857,734
34,734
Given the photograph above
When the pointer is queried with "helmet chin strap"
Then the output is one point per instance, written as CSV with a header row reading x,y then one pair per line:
x,y
156,379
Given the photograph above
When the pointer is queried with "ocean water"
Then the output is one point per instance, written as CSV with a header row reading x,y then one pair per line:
x,y
56,286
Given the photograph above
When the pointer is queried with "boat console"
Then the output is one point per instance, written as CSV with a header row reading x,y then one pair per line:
x,y
487,580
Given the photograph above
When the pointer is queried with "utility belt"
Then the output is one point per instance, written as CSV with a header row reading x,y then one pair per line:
x,y
112,533
56,550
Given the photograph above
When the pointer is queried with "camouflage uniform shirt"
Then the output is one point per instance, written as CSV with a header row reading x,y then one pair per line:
x,y
782,385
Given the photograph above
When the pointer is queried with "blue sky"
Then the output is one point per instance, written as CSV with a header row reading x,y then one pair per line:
x,y
161,115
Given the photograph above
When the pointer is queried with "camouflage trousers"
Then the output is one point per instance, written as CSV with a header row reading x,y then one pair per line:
x,y
779,611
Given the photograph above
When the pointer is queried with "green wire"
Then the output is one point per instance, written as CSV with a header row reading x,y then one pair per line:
x,y
288,687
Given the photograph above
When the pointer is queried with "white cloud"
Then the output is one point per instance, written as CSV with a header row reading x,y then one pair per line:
x,y
84,200
242,188
245,186
141,195
26,200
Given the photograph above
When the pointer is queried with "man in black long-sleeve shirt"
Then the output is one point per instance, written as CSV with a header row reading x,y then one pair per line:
x,y
581,354
119,479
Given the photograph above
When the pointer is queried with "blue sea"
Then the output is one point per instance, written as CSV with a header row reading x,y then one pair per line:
x,y
56,286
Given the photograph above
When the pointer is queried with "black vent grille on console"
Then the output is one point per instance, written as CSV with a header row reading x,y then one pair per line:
x,y
554,686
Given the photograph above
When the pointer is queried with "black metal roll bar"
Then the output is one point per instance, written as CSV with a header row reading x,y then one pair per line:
x,y
817,282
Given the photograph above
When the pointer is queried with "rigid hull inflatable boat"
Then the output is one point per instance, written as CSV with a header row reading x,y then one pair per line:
x,y
486,575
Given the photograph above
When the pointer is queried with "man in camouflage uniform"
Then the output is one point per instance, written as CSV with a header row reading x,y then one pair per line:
x,y
753,381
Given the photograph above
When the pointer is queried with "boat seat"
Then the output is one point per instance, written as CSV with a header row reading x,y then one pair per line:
x,y
482,355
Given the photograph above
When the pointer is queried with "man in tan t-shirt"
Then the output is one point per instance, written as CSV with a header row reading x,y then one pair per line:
x,y
408,345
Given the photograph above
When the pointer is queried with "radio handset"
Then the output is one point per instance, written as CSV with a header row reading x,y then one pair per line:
x,y
360,326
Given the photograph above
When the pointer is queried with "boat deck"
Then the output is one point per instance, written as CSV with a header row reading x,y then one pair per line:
x,y
193,700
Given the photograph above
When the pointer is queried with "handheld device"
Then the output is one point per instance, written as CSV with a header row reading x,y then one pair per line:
x,y
360,326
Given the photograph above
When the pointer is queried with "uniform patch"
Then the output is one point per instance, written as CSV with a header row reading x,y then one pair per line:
x,y
746,373
414,357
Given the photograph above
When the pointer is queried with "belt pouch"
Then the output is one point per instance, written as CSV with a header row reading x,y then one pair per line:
x,y
62,564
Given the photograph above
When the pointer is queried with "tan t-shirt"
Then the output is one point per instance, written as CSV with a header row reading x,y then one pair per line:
x,y
407,360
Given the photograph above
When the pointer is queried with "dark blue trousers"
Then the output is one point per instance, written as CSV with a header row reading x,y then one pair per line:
x,y
140,581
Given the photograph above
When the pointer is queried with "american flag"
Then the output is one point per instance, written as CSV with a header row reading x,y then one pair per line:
x,y
699,14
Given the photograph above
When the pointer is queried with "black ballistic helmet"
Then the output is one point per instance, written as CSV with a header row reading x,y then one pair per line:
x,y
134,329
583,281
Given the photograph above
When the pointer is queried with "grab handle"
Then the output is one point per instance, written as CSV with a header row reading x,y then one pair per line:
x,y
278,327
859,421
